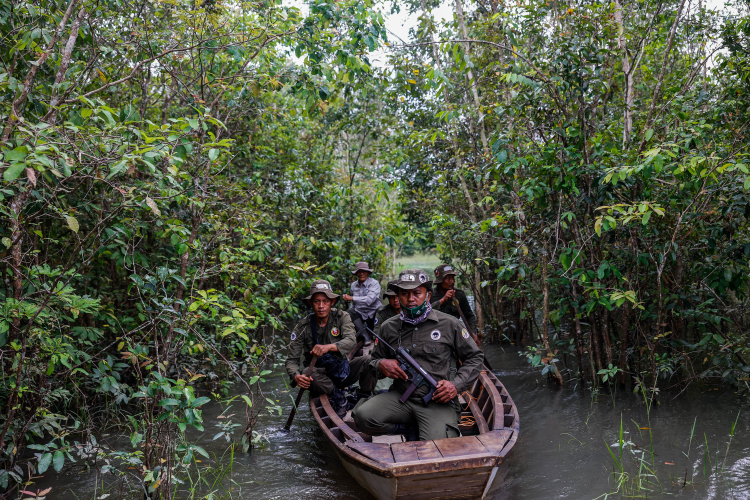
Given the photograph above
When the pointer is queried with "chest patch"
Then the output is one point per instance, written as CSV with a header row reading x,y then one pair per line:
x,y
376,321
464,333
294,336
335,331
435,335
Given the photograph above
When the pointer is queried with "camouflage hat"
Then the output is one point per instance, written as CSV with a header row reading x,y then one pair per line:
x,y
361,266
390,290
442,271
321,286
409,279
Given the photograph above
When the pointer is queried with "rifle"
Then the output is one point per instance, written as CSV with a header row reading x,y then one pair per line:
x,y
362,334
299,395
473,335
417,374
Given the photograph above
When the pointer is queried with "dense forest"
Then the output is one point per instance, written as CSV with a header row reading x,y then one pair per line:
x,y
175,173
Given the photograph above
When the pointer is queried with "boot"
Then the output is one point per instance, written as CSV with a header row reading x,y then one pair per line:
x,y
409,431
354,398
338,402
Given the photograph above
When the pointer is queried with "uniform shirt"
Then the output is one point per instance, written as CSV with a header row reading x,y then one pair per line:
x,y
448,307
434,343
366,297
339,330
384,313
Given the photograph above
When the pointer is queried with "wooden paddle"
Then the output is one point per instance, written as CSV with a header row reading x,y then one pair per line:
x,y
299,395
473,335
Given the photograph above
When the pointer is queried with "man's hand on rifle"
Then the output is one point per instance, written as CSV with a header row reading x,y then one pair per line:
x,y
320,349
391,369
303,381
445,392
448,296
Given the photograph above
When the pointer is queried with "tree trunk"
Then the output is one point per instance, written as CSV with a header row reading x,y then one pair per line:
x,y
594,340
604,328
545,315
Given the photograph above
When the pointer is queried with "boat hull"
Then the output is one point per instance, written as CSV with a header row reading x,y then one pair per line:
x,y
462,468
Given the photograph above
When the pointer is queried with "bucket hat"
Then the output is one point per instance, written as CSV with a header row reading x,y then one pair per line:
x,y
442,271
321,286
390,290
409,279
361,266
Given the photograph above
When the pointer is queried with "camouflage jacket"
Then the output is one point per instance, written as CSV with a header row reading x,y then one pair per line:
x,y
339,330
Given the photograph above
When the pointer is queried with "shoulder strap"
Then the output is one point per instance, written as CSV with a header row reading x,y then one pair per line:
x,y
314,329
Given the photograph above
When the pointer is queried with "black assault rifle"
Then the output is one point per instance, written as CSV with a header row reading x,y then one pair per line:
x,y
363,334
417,375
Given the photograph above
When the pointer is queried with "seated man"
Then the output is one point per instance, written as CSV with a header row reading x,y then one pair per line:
x,y
365,297
435,340
391,309
329,334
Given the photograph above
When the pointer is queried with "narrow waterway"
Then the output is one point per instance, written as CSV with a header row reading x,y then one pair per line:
x,y
562,451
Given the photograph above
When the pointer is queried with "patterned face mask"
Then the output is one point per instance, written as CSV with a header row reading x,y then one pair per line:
x,y
415,315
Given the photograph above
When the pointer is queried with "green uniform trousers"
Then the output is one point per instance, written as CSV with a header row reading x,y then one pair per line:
x,y
359,372
378,414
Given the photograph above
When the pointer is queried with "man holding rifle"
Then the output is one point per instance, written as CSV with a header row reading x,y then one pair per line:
x,y
328,333
446,298
435,342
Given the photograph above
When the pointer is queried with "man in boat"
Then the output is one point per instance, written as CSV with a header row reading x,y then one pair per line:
x,y
438,342
445,296
365,297
391,309
329,334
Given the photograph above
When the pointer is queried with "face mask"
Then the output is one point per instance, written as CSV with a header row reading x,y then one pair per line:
x,y
416,310
416,314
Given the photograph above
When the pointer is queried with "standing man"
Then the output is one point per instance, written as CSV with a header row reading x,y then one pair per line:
x,y
365,297
329,334
438,342
391,309
445,296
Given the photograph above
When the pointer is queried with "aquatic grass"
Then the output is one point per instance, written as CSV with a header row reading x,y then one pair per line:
x,y
211,478
731,436
644,480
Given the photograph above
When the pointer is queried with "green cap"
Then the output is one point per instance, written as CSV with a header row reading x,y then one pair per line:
x,y
442,271
390,290
321,286
409,279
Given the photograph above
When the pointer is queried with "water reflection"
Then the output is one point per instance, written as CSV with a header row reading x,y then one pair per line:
x,y
561,453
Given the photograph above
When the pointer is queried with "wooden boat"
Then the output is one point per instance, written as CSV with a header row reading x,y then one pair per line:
x,y
455,468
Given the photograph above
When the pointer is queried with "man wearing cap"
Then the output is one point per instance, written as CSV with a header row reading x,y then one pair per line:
x,y
391,309
329,334
365,297
438,342
445,296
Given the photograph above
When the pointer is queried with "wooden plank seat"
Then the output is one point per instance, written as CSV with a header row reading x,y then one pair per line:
x,y
494,442
380,452
460,447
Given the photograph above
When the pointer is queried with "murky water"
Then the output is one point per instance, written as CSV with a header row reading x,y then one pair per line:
x,y
562,451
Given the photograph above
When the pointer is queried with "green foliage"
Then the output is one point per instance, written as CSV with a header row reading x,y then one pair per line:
x,y
169,189
593,153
